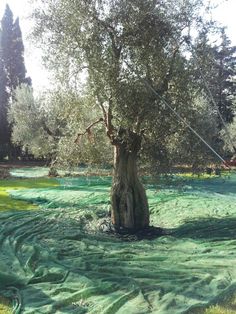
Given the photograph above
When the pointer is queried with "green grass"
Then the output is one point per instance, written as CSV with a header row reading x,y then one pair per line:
x,y
8,203
219,310
5,307
227,306
200,176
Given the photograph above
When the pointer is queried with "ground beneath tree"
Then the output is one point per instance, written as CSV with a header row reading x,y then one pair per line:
x,y
54,259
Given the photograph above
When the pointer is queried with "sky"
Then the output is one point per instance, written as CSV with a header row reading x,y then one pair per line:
x,y
225,14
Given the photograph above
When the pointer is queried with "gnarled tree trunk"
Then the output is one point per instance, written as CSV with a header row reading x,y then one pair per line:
x,y
129,201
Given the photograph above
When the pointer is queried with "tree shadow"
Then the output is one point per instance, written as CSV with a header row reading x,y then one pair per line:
x,y
180,186
221,185
210,229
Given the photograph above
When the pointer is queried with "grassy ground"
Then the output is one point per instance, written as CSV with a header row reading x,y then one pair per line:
x,y
227,306
8,203
5,307
219,310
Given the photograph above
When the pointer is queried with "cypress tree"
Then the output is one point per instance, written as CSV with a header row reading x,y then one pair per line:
x,y
12,73
6,44
18,67
4,96
4,127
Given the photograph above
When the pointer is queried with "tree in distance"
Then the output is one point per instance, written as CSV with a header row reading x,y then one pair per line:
x,y
47,127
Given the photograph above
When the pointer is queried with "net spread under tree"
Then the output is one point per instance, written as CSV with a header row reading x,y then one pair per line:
x,y
119,42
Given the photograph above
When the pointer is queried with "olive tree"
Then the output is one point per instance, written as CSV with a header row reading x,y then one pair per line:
x,y
48,126
228,136
129,49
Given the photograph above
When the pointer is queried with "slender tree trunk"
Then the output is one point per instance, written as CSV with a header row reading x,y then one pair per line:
x,y
129,201
52,168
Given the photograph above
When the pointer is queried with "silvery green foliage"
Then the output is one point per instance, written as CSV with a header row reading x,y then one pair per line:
x,y
191,150
26,116
48,126
228,133
182,147
120,43
229,137
103,36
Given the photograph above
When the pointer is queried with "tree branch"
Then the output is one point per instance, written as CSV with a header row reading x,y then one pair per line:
x,y
55,135
87,130
108,119
113,36
104,113
110,127
168,77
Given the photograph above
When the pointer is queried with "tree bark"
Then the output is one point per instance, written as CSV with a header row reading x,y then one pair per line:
x,y
130,210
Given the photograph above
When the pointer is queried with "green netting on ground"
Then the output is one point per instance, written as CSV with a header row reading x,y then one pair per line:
x,y
37,172
54,260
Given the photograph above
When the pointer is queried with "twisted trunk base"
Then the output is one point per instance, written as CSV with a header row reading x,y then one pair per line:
x,y
129,201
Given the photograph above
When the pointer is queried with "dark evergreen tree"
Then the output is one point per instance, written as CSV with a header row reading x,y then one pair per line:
x,y
6,45
225,88
4,128
18,66
12,73
218,67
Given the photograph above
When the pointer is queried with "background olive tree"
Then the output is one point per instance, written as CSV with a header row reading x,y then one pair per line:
x,y
47,126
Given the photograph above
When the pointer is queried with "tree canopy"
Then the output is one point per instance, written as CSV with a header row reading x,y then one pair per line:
x,y
117,51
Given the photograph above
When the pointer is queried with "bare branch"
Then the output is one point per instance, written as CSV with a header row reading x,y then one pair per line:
x,y
87,130
104,113
168,77
110,127
108,119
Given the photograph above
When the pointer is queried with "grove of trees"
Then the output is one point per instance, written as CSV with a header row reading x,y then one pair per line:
x,y
135,59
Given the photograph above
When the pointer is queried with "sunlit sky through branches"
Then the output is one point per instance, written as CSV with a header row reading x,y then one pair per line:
x,y
225,14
